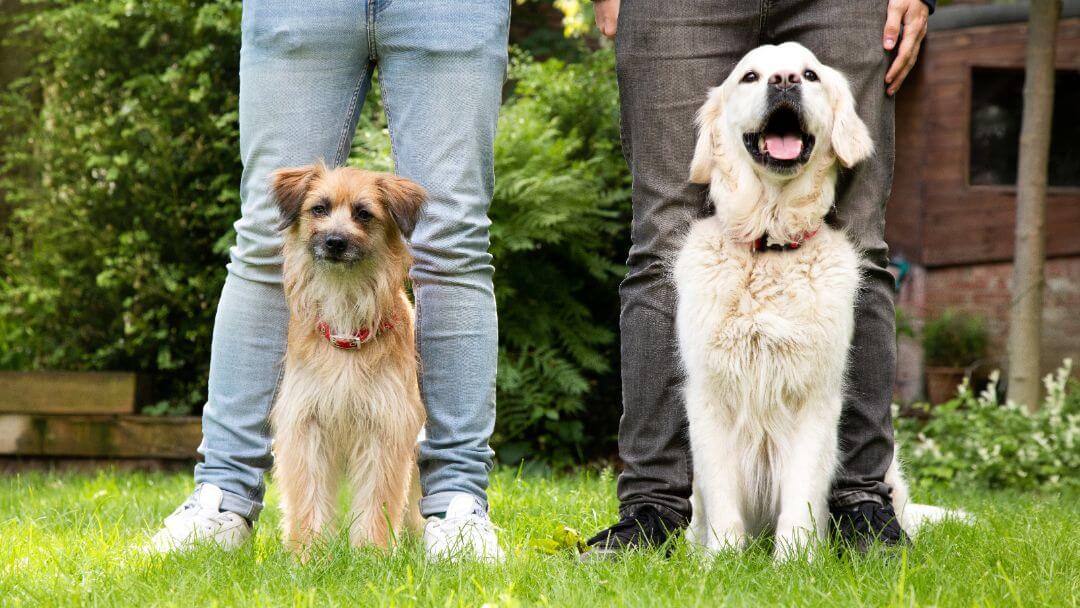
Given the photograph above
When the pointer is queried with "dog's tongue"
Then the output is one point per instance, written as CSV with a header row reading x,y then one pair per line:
x,y
783,147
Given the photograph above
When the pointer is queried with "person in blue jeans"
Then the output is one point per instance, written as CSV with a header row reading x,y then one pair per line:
x,y
305,69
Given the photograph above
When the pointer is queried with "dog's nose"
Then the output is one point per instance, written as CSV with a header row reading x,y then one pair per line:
x,y
784,80
336,243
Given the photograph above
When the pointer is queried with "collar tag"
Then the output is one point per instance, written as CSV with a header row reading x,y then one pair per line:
x,y
768,243
350,341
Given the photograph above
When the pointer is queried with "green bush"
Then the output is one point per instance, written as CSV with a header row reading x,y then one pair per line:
x,y
121,170
954,339
974,440
561,218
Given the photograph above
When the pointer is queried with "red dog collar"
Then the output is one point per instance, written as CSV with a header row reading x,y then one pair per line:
x,y
762,243
351,342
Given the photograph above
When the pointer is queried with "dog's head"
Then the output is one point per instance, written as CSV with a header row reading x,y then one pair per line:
x,y
344,216
780,109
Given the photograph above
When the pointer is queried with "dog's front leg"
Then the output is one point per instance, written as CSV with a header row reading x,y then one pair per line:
x,y
716,486
699,523
723,525
805,471
379,476
306,478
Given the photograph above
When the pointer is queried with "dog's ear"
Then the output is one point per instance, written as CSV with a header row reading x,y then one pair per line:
x,y
289,188
403,198
850,138
702,164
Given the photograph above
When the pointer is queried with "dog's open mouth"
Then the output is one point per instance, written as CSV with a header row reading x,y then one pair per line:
x,y
782,144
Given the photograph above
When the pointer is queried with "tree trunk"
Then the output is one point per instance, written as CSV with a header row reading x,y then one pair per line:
x,y
1025,316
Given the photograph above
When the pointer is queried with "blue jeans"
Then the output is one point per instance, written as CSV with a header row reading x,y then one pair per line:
x,y
305,68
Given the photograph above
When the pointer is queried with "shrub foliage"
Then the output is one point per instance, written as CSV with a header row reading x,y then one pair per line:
x,y
975,440
121,172
954,339
121,168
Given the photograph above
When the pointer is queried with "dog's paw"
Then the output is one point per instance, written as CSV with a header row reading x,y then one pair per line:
x,y
729,540
795,544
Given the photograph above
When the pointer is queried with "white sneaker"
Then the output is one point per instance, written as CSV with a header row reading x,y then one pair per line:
x,y
465,533
200,520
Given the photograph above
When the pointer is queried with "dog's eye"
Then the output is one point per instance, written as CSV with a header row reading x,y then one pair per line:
x,y
320,210
361,215
810,75
750,76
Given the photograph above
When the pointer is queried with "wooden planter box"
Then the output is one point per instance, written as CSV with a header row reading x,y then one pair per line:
x,y
100,436
62,415
67,392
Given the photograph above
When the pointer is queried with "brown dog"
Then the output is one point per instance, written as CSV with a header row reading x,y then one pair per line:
x,y
349,403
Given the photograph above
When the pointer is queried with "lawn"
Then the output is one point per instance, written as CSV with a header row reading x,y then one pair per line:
x,y
66,539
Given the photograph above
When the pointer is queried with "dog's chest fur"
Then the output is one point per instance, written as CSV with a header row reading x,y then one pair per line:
x,y
765,329
371,389
764,339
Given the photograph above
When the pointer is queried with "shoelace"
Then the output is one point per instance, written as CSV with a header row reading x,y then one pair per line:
x,y
473,519
644,522
870,519
221,517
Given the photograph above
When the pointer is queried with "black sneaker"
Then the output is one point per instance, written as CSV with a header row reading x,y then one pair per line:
x,y
863,525
644,526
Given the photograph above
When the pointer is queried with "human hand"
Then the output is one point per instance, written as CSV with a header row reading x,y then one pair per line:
x,y
607,16
912,15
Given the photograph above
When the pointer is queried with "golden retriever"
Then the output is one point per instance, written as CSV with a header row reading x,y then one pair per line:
x,y
766,298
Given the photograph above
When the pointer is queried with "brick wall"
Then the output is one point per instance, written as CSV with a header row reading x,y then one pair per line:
x,y
932,200
983,289
959,237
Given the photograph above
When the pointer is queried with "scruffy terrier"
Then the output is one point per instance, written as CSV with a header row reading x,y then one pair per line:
x,y
349,404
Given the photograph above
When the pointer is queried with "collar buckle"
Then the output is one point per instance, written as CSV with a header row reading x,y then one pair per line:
x,y
763,243
351,341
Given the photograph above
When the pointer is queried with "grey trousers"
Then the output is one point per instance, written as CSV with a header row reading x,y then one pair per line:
x,y
669,54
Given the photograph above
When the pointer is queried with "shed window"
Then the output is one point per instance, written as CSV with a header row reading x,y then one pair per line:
x,y
996,110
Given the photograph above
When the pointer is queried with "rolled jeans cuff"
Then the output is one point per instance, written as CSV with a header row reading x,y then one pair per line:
x,y
241,505
438,503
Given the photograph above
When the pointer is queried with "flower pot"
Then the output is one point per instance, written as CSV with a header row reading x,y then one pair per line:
x,y
941,383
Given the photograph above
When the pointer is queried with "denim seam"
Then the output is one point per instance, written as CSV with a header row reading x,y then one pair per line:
x,y
763,18
419,370
389,113
371,11
389,121
267,432
350,114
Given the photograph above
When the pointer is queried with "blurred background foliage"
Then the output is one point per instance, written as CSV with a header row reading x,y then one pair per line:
x,y
119,185
120,174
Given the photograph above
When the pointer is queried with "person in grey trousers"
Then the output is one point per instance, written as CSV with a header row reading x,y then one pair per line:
x,y
668,55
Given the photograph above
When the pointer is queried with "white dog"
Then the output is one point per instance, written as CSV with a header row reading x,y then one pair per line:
x,y
766,303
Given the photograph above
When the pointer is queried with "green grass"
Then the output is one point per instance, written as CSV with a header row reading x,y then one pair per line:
x,y
66,539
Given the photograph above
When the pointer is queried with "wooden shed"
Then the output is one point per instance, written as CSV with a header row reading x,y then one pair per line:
x,y
951,215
